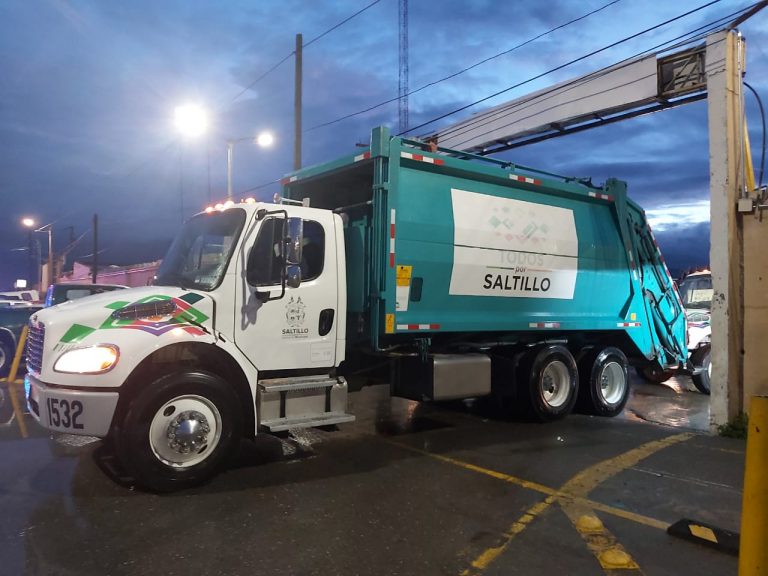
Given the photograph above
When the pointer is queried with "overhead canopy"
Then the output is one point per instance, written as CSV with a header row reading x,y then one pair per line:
x,y
635,86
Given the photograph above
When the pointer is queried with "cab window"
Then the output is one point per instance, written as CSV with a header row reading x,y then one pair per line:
x,y
264,262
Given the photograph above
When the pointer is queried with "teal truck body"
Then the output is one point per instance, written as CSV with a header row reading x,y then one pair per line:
x,y
449,251
442,243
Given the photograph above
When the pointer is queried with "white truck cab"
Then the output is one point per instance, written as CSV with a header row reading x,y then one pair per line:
x,y
251,295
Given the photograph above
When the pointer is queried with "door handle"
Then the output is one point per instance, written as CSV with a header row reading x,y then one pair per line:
x,y
326,321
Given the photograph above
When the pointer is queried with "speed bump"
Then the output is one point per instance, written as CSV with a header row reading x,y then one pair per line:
x,y
706,534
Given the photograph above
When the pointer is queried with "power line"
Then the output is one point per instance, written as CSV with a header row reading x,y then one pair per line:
x,y
293,52
463,70
264,75
332,28
684,39
561,66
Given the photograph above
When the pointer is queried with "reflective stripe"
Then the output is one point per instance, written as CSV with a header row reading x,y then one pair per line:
x,y
418,326
525,179
422,158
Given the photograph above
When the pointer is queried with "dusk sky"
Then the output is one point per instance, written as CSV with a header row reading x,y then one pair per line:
x,y
88,90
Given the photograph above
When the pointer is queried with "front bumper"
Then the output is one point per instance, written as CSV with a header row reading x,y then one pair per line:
x,y
72,411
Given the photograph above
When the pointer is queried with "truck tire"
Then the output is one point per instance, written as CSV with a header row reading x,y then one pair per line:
x,y
6,407
653,373
6,357
603,382
550,382
179,430
702,358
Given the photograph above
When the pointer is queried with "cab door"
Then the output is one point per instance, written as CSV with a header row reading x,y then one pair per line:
x,y
294,329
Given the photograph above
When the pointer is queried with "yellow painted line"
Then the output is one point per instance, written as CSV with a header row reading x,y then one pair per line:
x,y
626,514
479,469
572,496
485,559
587,480
541,488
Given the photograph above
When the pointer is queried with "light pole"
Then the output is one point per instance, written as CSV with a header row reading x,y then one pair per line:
x,y
30,223
264,140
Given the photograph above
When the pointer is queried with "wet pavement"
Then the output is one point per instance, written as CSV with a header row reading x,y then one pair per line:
x,y
408,488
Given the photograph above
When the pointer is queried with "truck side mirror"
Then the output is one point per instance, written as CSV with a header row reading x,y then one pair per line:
x,y
295,241
293,276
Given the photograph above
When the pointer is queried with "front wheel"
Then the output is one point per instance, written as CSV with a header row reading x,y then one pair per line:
x,y
179,430
550,382
702,359
604,384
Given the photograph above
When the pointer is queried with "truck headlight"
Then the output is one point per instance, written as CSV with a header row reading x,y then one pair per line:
x,y
91,360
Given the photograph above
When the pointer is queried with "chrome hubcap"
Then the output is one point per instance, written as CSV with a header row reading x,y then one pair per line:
x,y
185,431
188,432
555,384
612,382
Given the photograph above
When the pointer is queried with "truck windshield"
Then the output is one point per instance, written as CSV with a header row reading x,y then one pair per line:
x,y
696,291
200,253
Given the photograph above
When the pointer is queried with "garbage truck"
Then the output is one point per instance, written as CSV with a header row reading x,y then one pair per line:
x,y
467,276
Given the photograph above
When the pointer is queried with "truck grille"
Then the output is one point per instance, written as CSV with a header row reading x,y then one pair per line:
x,y
35,341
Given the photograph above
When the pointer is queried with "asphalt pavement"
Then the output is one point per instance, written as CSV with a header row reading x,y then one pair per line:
x,y
408,488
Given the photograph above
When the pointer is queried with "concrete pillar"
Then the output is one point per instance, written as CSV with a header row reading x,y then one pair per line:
x,y
755,236
724,67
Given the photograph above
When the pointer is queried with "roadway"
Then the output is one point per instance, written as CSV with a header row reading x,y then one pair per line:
x,y
408,488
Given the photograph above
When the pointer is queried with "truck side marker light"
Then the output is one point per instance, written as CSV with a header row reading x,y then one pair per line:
x,y
422,158
392,238
544,325
363,156
418,326
601,196
628,325
525,179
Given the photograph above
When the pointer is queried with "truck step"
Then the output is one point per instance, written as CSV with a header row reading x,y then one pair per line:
x,y
300,383
302,402
282,424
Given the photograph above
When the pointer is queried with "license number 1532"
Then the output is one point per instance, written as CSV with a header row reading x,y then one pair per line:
x,y
65,413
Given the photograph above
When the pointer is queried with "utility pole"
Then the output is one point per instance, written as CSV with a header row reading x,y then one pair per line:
x,y
95,269
297,105
402,17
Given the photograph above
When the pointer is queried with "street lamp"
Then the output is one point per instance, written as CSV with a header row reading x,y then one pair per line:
x,y
30,223
263,140
191,120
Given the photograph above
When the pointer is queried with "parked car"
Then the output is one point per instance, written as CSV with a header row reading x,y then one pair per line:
x,y
58,293
696,292
26,295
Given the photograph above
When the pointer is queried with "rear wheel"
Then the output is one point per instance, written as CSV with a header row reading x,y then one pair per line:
x,y
550,382
179,430
653,373
702,359
604,383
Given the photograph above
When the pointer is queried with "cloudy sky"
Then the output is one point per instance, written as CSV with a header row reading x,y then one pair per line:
x,y
88,89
